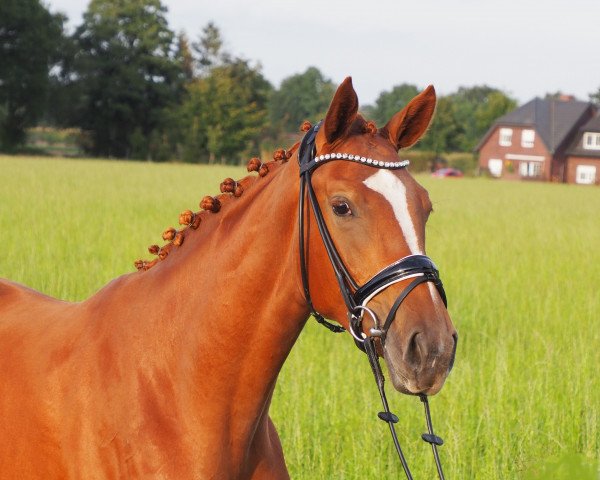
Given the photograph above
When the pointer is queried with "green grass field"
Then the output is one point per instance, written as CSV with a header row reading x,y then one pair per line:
x,y
521,265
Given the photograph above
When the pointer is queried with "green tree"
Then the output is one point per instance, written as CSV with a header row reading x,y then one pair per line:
x,y
496,105
209,49
446,132
128,75
475,108
389,103
305,96
30,39
185,56
224,114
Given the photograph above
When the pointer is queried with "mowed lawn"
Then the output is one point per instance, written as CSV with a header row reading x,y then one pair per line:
x,y
521,266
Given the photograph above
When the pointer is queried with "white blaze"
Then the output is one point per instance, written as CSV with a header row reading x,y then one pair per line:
x,y
387,184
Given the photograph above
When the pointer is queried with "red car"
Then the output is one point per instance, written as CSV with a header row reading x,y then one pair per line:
x,y
447,172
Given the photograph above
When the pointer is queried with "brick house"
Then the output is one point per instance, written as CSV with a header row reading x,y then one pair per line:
x,y
583,156
536,140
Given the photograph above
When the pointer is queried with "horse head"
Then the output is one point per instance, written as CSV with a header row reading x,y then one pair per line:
x,y
375,217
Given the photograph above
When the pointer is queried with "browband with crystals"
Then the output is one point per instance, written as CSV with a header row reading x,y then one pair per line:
x,y
359,159
309,165
309,160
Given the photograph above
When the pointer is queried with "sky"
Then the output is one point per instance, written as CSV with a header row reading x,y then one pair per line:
x,y
525,47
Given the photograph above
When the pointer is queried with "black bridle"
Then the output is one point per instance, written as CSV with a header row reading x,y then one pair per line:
x,y
418,268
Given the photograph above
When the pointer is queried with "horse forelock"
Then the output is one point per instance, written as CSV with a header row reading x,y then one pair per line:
x,y
360,126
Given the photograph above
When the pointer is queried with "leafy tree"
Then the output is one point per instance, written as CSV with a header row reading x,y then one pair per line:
x,y
446,132
460,120
305,96
64,93
224,114
388,103
496,105
475,108
128,74
30,37
185,57
209,49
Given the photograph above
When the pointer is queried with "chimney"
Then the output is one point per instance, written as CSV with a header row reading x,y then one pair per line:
x,y
563,97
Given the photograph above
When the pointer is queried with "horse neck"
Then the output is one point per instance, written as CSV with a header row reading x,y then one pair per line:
x,y
224,309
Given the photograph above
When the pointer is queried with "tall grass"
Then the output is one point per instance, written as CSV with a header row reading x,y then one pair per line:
x,y
521,265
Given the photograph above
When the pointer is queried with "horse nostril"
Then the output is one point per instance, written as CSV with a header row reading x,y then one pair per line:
x,y
416,351
455,338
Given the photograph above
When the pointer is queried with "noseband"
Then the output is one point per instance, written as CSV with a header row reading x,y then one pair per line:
x,y
417,268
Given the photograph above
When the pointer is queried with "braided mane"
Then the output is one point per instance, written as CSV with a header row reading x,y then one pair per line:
x,y
230,189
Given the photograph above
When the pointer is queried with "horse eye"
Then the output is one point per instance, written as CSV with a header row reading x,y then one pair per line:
x,y
342,209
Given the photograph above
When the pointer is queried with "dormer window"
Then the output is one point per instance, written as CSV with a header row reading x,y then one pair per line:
x,y
591,140
505,137
527,138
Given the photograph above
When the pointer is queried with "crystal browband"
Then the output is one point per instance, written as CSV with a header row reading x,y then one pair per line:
x,y
357,158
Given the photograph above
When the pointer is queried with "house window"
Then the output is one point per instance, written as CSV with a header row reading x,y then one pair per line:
x,y
530,169
495,167
585,174
505,137
527,138
591,141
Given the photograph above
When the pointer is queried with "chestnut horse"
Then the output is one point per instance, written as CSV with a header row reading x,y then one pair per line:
x,y
169,372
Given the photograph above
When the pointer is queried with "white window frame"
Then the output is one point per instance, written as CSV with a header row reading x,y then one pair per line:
x,y
523,169
527,138
530,169
535,169
591,140
585,174
505,137
493,164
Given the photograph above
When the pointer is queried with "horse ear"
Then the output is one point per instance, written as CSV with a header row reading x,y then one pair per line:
x,y
342,111
408,125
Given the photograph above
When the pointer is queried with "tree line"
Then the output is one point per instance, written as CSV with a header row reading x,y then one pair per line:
x,y
138,90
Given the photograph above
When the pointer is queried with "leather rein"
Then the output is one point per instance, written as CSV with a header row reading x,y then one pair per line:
x,y
418,268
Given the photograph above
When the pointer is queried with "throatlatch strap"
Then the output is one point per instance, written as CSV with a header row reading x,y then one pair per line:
x,y
330,326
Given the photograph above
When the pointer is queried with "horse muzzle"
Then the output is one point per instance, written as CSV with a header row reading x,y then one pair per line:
x,y
419,363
